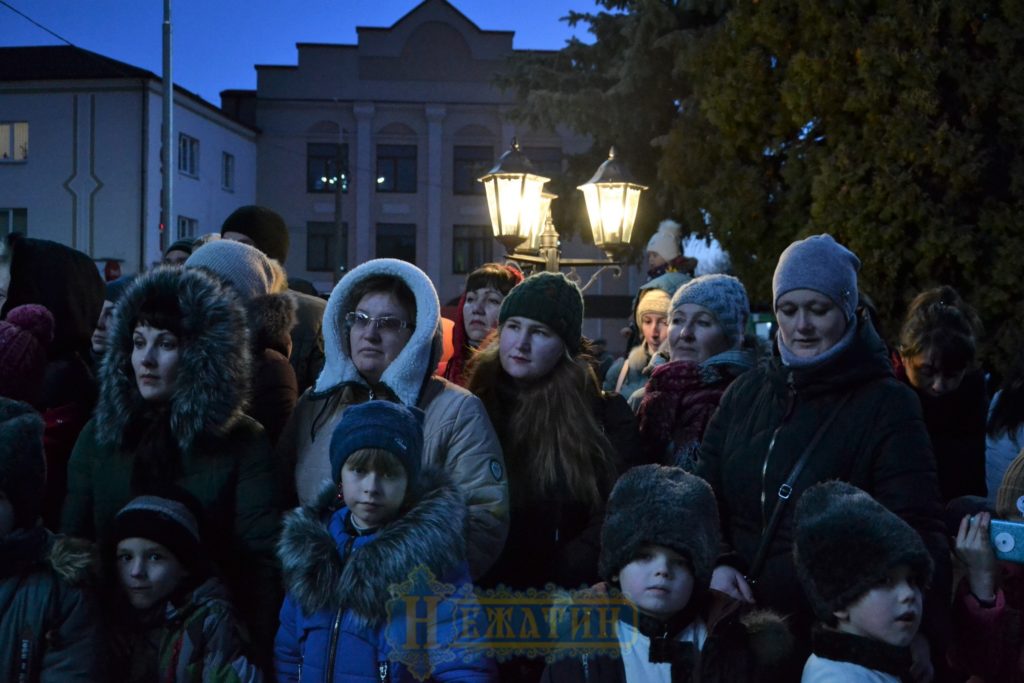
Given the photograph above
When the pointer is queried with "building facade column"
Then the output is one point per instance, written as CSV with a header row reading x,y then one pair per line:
x,y
364,179
435,153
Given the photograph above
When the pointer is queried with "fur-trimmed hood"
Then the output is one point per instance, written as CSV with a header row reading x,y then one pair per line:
x,y
271,319
407,373
73,560
430,534
215,362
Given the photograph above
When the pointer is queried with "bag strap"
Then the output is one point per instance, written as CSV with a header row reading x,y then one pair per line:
x,y
786,490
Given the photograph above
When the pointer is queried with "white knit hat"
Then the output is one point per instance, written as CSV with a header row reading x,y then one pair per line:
x,y
665,242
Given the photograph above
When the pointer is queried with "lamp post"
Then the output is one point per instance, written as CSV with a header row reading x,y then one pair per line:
x,y
521,213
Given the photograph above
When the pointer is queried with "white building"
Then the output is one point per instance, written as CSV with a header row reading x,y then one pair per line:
x,y
80,156
413,116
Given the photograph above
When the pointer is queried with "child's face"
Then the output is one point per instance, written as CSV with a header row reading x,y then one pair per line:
x,y
654,260
889,612
374,498
658,581
148,571
6,515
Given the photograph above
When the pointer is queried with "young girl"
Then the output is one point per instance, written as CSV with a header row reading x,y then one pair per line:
x,y
380,519
176,623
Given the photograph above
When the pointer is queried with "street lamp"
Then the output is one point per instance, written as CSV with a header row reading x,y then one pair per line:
x,y
520,213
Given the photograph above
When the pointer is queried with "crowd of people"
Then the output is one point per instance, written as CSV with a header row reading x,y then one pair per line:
x,y
206,475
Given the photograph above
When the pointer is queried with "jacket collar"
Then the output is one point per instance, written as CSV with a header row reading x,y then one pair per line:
x,y
416,362
866,358
430,534
871,654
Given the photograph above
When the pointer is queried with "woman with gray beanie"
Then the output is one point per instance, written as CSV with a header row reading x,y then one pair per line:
x,y
828,408
707,350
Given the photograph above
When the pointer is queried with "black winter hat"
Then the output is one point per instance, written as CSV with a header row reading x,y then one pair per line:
x,y
264,227
173,519
22,465
655,504
846,543
379,424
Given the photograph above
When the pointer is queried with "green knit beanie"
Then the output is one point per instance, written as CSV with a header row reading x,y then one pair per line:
x,y
549,298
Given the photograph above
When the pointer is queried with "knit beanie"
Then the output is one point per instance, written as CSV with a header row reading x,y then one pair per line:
x,y
245,268
166,521
185,244
25,337
845,543
652,301
549,298
724,296
379,424
263,226
115,288
822,264
666,506
665,242
22,465
1010,498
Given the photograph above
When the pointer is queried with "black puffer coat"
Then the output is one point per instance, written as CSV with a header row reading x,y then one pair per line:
x,y
877,442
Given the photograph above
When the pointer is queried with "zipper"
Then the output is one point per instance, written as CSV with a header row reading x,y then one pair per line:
x,y
771,447
332,651
382,671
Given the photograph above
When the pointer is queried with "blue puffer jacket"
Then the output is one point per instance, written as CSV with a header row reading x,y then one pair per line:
x,y
335,623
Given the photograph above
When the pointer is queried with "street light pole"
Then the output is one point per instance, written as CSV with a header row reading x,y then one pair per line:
x,y
166,200
339,189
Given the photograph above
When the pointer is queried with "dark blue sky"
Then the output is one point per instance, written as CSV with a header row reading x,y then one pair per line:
x,y
218,42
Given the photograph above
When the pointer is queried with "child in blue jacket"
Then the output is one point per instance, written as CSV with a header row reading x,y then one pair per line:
x,y
380,521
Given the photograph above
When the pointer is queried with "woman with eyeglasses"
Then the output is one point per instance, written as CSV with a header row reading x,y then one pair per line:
x,y
382,340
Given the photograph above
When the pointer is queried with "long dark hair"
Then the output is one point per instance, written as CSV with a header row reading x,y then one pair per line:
x,y
939,321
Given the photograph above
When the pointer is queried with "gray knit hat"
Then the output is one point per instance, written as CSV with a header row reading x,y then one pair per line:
x,y
549,298
245,268
167,521
822,264
724,296
22,465
655,504
845,543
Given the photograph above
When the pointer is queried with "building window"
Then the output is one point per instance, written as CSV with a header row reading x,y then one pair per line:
x,y
396,168
326,250
471,247
469,162
396,240
547,161
14,141
227,172
13,220
188,155
321,164
187,227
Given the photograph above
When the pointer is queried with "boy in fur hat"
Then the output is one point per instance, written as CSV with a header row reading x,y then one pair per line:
x,y
863,569
658,544
48,619
381,519
177,623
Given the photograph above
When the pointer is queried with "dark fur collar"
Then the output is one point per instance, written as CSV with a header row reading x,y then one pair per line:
x,y
430,534
214,368
871,654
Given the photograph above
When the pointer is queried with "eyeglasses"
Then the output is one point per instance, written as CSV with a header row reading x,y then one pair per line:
x,y
389,323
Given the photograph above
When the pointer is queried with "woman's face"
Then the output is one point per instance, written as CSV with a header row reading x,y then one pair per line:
x,y
155,357
480,312
375,340
810,323
694,334
927,375
528,349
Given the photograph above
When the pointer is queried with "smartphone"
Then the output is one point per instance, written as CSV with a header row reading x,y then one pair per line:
x,y
1008,540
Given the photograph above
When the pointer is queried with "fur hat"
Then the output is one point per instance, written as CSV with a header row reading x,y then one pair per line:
x,y
822,264
655,504
379,424
22,465
245,268
263,226
171,520
845,543
723,295
115,288
1010,498
25,337
549,298
665,242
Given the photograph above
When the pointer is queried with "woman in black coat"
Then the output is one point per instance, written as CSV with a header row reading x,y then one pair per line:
x,y
833,375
